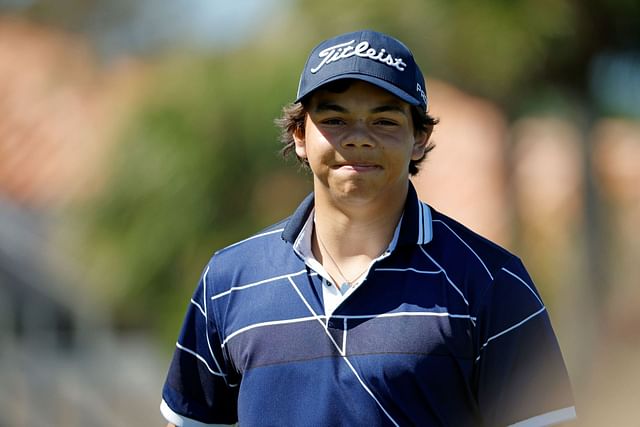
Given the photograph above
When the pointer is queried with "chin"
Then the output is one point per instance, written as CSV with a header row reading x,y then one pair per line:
x,y
358,194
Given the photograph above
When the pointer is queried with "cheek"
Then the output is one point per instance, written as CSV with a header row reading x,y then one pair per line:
x,y
316,144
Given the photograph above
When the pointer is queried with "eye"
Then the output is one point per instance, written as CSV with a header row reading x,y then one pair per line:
x,y
333,121
385,122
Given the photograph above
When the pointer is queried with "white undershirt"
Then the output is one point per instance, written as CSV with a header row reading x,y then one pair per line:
x,y
332,297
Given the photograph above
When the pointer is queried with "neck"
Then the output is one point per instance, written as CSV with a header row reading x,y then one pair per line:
x,y
346,244
359,229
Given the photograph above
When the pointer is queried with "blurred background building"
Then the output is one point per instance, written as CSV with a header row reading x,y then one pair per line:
x,y
137,137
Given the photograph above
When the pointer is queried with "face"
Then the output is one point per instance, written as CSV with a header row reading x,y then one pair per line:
x,y
359,143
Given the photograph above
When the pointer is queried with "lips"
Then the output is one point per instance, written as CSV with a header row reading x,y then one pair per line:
x,y
358,166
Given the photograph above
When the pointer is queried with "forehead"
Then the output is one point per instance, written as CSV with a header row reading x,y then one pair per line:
x,y
355,93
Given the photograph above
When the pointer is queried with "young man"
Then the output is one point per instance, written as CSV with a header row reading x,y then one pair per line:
x,y
366,307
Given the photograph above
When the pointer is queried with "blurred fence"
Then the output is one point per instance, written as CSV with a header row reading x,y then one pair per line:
x,y
61,364
111,382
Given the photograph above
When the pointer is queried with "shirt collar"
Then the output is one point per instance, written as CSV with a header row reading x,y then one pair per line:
x,y
415,227
303,243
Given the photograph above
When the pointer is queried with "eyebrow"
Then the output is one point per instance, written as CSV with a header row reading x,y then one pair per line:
x,y
389,107
333,107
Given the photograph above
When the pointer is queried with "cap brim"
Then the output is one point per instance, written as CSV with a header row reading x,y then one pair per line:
x,y
383,84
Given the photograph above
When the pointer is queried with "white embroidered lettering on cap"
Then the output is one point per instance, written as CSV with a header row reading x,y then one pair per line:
x,y
363,50
421,92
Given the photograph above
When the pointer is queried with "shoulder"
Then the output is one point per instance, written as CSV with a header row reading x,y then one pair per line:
x,y
267,237
255,258
470,261
457,242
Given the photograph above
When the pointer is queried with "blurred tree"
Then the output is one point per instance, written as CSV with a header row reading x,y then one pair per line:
x,y
186,178
490,47
520,53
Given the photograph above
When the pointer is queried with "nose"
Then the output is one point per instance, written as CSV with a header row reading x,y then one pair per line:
x,y
358,136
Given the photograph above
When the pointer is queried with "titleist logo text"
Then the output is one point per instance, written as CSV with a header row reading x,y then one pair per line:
x,y
362,49
423,95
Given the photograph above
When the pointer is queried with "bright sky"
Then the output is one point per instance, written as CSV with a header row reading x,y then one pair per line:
x,y
144,25
201,23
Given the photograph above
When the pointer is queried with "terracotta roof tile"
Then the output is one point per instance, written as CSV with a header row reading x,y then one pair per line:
x,y
57,112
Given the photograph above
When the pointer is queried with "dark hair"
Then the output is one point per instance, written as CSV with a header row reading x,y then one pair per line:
x,y
293,118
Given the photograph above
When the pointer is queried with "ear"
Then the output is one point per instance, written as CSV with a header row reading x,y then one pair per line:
x,y
420,143
300,143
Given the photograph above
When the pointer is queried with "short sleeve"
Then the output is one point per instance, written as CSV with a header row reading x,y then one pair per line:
x,y
520,375
198,385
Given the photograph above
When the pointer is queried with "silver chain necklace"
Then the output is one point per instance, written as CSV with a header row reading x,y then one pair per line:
x,y
347,283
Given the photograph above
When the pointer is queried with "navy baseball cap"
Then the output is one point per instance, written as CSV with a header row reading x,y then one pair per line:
x,y
370,56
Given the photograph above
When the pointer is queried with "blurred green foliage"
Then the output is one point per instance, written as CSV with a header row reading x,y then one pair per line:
x,y
490,48
188,177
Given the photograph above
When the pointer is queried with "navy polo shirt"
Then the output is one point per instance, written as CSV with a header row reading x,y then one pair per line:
x,y
446,329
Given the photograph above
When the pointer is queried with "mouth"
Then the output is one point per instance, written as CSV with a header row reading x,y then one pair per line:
x,y
358,166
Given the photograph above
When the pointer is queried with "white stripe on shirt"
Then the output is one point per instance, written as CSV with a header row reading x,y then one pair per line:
x,y
548,419
180,421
